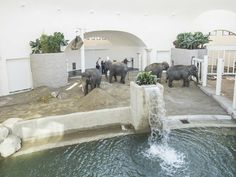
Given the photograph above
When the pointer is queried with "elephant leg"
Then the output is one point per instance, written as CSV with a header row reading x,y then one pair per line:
x,y
187,83
184,82
170,83
159,76
92,86
115,78
86,89
110,78
122,80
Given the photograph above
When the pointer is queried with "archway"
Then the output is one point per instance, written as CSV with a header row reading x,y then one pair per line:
x,y
222,37
117,45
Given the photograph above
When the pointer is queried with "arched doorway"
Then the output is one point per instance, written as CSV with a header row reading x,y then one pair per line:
x,y
222,45
115,45
222,37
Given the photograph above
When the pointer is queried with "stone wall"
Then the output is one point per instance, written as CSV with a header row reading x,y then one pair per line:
x,y
49,70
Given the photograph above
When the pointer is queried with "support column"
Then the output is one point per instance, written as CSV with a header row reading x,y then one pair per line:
x,y
148,51
205,71
220,65
234,99
82,56
140,62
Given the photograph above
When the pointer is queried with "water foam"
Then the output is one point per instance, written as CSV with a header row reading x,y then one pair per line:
x,y
170,159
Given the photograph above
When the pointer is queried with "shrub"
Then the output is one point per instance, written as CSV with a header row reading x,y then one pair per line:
x,y
49,43
195,40
146,78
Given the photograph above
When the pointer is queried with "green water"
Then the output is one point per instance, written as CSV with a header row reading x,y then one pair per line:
x,y
181,153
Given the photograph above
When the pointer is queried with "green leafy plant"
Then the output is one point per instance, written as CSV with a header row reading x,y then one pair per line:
x,y
35,46
49,43
146,78
195,40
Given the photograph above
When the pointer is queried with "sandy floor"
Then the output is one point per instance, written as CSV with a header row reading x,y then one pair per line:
x,y
227,86
40,103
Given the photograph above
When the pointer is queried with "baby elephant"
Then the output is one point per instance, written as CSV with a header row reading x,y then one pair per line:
x,y
91,77
181,72
157,68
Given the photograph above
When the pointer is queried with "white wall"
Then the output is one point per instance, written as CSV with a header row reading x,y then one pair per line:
x,y
215,20
155,22
114,53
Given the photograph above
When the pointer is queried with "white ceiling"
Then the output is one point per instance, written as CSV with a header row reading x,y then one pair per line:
x,y
122,7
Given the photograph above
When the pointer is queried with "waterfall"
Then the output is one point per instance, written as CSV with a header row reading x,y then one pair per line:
x,y
156,109
170,159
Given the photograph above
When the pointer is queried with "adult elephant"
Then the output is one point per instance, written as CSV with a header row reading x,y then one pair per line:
x,y
91,77
157,68
181,72
116,69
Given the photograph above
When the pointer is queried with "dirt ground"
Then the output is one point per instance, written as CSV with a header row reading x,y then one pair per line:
x,y
39,102
227,86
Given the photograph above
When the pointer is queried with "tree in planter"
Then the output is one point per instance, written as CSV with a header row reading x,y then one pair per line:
x,y
49,43
146,78
195,40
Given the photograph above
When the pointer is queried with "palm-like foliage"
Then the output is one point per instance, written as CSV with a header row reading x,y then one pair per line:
x,y
49,43
35,46
146,78
195,40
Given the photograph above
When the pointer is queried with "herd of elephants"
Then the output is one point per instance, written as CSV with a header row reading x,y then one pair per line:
x,y
93,77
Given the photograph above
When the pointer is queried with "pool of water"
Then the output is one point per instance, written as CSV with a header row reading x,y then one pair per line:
x,y
180,153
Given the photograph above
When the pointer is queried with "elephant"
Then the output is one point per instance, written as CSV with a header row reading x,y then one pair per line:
x,y
181,72
116,69
157,68
91,77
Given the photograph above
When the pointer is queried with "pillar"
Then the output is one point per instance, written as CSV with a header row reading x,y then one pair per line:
x,y
148,52
220,65
140,62
82,56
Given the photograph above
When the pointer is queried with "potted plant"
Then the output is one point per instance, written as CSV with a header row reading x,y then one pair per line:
x,y
187,46
48,62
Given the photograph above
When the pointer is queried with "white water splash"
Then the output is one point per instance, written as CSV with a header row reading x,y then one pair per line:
x,y
170,159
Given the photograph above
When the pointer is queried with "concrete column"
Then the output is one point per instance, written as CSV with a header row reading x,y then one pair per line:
x,y
205,71
220,65
148,51
234,99
82,56
140,108
4,89
140,62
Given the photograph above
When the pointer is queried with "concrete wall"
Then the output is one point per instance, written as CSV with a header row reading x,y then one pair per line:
x,y
59,125
184,56
138,106
49,70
